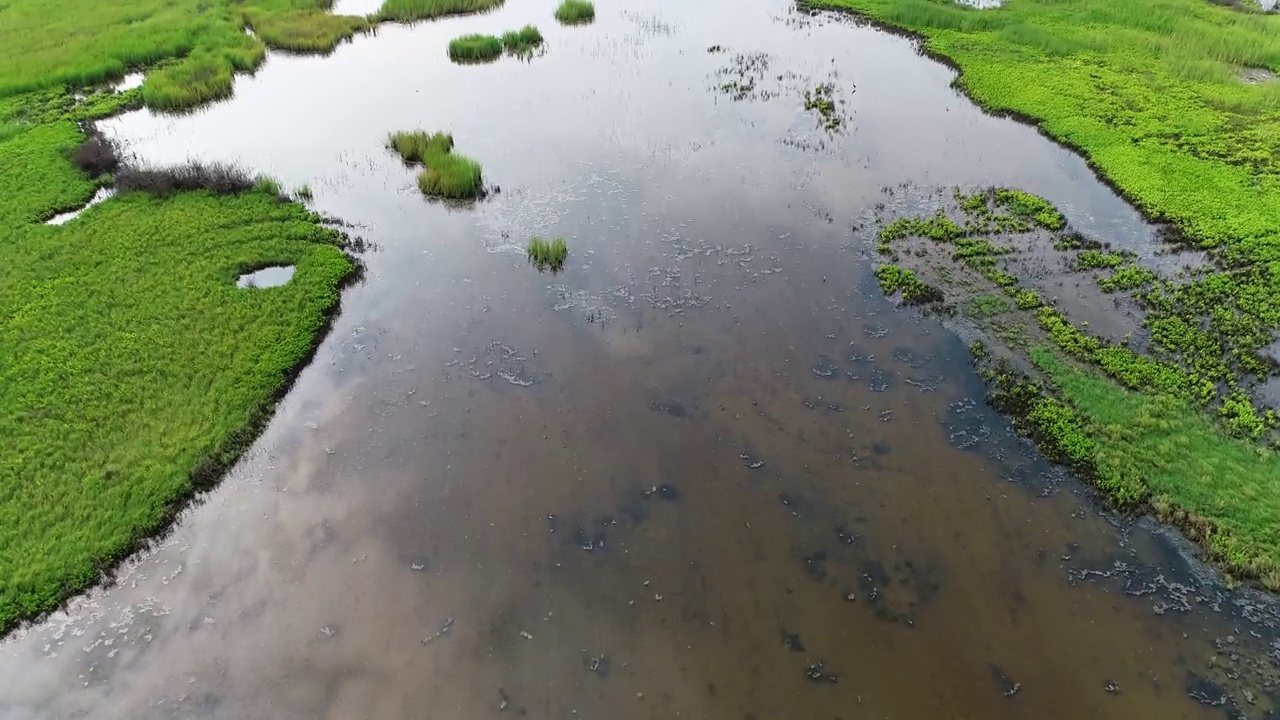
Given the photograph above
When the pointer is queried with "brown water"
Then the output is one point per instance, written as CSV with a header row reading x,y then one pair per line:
x,y
705,472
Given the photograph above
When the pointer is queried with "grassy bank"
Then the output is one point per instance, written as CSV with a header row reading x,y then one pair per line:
x,y
1149,433
1151,93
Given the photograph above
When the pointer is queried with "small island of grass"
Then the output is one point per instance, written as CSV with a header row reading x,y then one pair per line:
x,y
575,12
522,42
475,48
445,175
547,254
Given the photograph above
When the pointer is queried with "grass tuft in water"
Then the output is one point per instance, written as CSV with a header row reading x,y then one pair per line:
x,y
575,12
445,175
474,48
522,42
547,255
414,146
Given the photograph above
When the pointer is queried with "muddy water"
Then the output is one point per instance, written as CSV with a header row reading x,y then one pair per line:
x,y
705,472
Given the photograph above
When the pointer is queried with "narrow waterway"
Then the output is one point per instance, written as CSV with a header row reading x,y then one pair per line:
x,y
705,472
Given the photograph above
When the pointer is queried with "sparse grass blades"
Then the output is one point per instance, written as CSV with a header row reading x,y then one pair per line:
x,y
547,255
522,42
575,12
410,10
414,147
450,176
475,48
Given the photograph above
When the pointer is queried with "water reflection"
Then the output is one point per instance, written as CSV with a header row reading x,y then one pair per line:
x,y
707,471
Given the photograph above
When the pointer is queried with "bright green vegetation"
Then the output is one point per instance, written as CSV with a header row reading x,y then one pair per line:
x,y
474,48
445,174
1025,205
1027,299
547,254
522,42
1150,92
573,12
1093,259
193,47
134,370
1156,452
482,48
1127,277
914,291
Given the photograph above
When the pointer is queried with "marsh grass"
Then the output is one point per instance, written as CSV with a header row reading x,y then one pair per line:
x,y
475,48
414,146
547,255
450,176
445,175
411,10
522,42
304,31
575,12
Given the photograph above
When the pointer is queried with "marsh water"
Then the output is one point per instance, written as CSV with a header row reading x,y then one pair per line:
x,y
708,471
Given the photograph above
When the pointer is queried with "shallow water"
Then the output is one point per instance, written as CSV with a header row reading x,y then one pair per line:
x,y
63,218
267,277
707,471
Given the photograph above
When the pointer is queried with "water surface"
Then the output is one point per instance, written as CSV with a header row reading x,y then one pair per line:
x,y
707,471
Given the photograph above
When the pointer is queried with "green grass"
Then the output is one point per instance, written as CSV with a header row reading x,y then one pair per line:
x,y
453,177
547,255
411,10
475,48
522,42
303,31
445,174
1149,92
1162,451
574,12
135,370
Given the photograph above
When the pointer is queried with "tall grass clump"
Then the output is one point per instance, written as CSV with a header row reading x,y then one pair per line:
x,y
414,146
445,175
574,12
410,10
474,48
547,255
522,42
454,177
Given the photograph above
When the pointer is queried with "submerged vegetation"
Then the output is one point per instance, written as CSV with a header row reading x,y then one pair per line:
x,y
547,255
574,12
445,174
1150,433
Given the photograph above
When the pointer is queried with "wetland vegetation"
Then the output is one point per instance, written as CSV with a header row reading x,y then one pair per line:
x,y
135,370
483,48
445,174
547,254
575,12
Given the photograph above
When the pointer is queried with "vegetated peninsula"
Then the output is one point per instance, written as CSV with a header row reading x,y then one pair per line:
x,y
135,370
